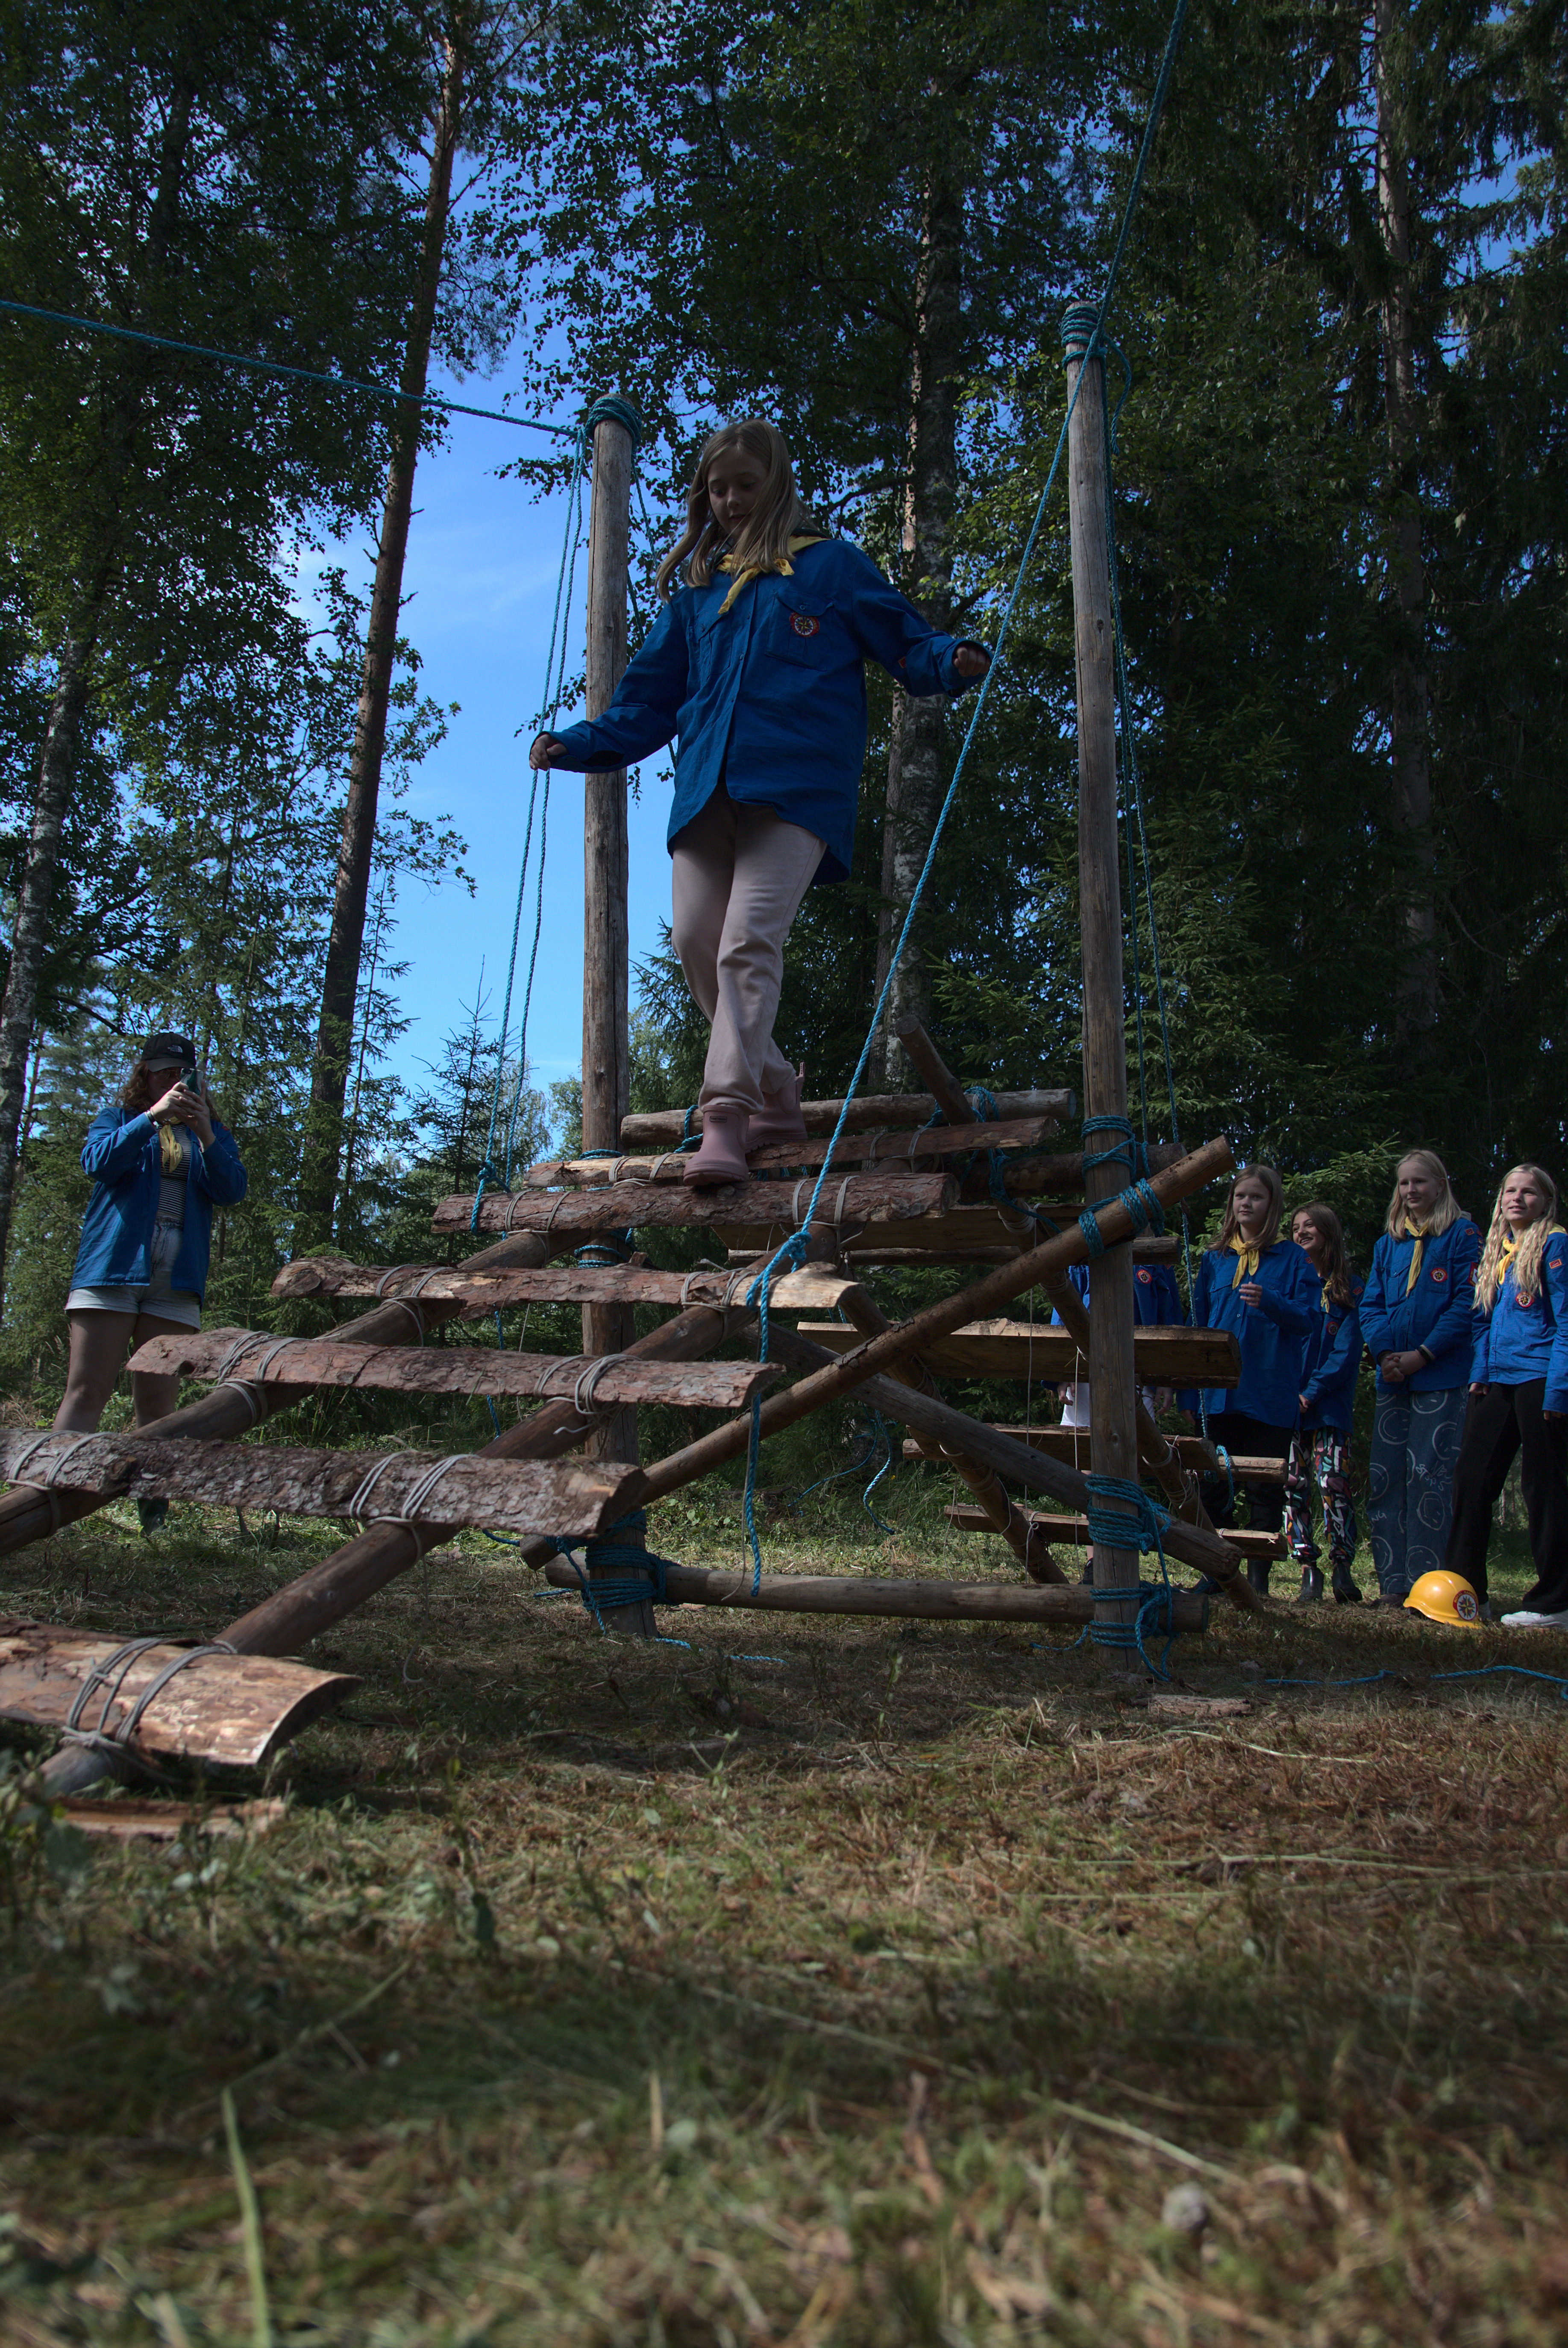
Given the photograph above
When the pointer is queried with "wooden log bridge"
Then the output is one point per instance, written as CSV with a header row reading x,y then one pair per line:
x,y
885,1145
564,1216
812,1289
926,1602
406,1487
227,1710
664,1128
465,1370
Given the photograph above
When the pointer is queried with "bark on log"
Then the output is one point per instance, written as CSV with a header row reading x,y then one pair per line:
x,y
478,1294
1058,1175
227,1710
970,1519
507,1495
1071,1443
885,1147
663,1129
871,1255
465,1370
1012,1349
927,1061
565,1216
927,1601
28,1514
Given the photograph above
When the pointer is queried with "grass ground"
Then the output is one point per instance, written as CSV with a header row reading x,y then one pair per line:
x,y
806,1983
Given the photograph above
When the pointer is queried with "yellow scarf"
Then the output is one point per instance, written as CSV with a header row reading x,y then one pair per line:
x,y
1511,1248
781,566
1247,1253
1416,1231
171,1147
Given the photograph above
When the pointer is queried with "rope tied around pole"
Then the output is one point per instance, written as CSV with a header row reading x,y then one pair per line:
x,y
1113,1528
642,1575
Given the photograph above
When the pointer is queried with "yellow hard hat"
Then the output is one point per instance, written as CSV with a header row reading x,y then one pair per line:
x,y
1445,1598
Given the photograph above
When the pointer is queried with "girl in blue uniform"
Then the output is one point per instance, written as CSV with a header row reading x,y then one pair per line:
x,y
1320,1453
1519,1396
1156,1303
1261,1288
1416,1313
756,665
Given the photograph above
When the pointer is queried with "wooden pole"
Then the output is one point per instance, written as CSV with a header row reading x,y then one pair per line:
x,y
606,1051
1113,1381
930,1601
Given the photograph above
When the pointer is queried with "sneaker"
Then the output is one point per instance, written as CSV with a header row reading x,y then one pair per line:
x,y
1526,1621
151,1514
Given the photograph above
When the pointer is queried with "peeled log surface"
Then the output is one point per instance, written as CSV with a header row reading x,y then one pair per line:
x,y
1076,1529
1012,1349
810,1290
520,1496
561,1215
880,1147
457,1369
929,1601
663,1129
229,1710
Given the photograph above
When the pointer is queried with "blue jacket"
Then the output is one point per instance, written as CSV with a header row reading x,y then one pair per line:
x,y
1437,1313
1275,1336
770,699
1515,1343
1156,1299
121,1154
1330,1389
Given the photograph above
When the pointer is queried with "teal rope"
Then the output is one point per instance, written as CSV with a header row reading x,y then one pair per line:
x,y
1109,1528
278,366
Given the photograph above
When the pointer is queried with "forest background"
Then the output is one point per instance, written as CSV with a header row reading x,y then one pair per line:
x,y
1342,515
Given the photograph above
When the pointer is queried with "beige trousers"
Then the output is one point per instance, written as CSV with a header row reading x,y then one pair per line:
x,y
739,875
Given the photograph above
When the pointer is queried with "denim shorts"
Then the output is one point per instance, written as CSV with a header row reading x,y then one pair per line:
x,y
181,1305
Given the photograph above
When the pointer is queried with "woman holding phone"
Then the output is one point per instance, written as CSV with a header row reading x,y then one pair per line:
x,y
160,1162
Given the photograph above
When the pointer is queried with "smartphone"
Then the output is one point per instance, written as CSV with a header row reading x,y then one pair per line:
x,y
191,1078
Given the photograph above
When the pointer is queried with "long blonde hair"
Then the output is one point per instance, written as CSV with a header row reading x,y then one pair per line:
x,y
779,515
1231,1226
1444,1215
1526,1258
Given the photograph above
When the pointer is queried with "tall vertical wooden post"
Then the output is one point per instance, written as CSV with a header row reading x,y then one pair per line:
x,y
606,1052
1113,1406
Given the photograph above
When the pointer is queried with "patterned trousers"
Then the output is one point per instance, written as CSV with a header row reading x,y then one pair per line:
x,y
1410,1482
1320,1457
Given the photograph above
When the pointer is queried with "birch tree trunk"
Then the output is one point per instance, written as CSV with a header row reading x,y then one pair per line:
x,y
1408,728
917,759
322,1143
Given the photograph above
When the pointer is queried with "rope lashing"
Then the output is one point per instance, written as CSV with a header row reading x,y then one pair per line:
x,y
1112,1528
110,1676
357,1508
642,1575
1144,1213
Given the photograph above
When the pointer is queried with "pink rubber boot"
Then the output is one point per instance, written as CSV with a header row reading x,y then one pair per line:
x,y
780,1119
722,1158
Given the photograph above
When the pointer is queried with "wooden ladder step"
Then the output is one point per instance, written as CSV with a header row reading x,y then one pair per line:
x,y
925,1144
1076,1529
568,1215
812,1289
1015,1349
228,1710
246,1357
663,1129
1071,1444
576,1497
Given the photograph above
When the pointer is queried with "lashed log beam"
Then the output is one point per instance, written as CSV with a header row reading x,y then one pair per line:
x,y
462,1370
663,1129
1015,1349
926,1602
1071,1444
515,1496
971,1520
476,1293
28,1514
563,1216
885,1147
1058,1175
227,1710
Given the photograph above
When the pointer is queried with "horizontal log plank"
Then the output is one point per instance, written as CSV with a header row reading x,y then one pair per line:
x,y
228,1710
454,1370
663,1129
1012,1349
1058,1175
812,1289
1071,1444
564,1215
523,1496
1076,1529
871,1253
885,1147
929,1601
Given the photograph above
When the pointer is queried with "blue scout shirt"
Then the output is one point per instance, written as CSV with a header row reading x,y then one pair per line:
x,y
1516,1340
1274,1336
768,698
121,1154
1437,1313
1156,1299
1329,1393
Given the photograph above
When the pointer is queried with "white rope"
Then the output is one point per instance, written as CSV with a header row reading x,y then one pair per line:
x,y
253,1400
590,1378
356,1508
427,1485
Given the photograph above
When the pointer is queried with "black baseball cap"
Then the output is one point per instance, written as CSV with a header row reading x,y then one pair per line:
x,y
166,1046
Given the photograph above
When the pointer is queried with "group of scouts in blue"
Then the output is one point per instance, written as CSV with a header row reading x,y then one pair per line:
x,y
1469,1340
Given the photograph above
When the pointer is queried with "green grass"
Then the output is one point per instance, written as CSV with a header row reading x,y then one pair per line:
x,y
810,1984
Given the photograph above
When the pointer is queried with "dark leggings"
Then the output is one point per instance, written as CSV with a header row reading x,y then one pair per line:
x,y
1248,1438
1500,1423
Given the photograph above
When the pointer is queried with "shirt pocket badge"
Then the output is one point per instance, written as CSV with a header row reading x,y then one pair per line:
x,y
800,630
1438,1274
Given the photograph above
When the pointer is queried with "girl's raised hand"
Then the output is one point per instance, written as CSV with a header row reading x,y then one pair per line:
x,y
542,753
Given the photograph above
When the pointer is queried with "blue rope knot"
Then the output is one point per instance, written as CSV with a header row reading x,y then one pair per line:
x,y
1144,1213
1111,1528
645,1577
612,409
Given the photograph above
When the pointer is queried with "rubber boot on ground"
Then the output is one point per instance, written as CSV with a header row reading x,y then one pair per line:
x,y
1258,1574
722,1158
1311,1586
151,1514
1346,1592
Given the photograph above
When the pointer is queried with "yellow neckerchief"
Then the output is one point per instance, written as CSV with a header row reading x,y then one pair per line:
x,y
171,1147
780,566
1416,1231
1247,1253
1511,1248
